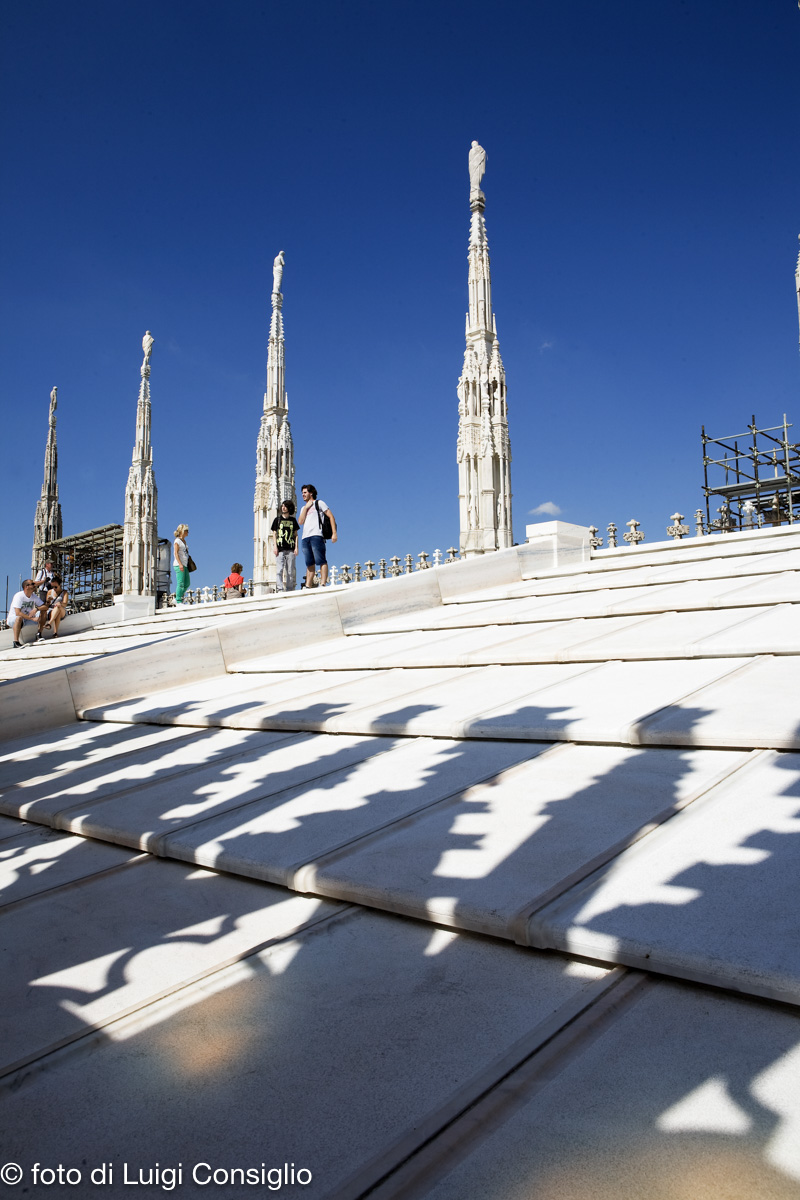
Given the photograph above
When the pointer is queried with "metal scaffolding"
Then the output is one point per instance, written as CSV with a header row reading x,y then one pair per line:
x,y
757,478
90,565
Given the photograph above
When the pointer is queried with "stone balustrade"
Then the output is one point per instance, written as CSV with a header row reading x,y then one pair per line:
x,y
724,523
390,568
360,573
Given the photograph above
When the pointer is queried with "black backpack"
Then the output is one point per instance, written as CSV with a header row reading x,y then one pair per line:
x,y
324,523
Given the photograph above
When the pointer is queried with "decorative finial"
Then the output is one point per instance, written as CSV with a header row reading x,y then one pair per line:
x,y
147,347
277,271
677,529
477,170
53,405
635,536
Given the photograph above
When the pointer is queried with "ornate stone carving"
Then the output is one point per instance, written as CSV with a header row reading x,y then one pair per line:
x,y
47,523
483,449
477,166
594,541
147,349
634,535
140,538
274,449
676,529
278,264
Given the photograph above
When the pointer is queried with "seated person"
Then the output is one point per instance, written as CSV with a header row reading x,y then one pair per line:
x,y
234,585
56,601
25,606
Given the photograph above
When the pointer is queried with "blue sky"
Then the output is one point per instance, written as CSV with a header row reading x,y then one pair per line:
x,y
642,210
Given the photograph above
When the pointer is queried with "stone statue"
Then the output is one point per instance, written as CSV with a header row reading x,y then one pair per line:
x,y
53,405
277,272
147,346
477,166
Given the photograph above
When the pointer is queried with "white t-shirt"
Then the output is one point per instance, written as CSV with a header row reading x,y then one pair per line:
x,y
311,525
25,604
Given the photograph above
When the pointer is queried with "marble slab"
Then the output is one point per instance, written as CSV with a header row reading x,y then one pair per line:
x,y
171,763
354,653
711,896
441,702
332,1042
140,671
274,838
315,620
555,641
675,1094
326,695
235,700
670,635
50,649
225,789
694,594
486,857
381,598
772,589
41,859
79,957
12,828
25,667
47,757
38,702
758,706
775,631
605,703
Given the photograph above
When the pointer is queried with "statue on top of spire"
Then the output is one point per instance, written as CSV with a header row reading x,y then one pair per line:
x,y
477,166
53,405
277,271
147,347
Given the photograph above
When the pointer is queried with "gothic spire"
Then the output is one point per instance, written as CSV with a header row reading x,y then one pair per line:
x,y
47,526
140,542
483,447
274,449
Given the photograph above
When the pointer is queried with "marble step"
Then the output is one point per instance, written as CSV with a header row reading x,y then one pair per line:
x,y
107,943
713,702
633,571
741,631
642,1097
710,896
336,1038
534,844
774,588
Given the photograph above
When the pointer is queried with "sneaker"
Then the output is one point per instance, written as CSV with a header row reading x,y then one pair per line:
x,y
17,645
39,637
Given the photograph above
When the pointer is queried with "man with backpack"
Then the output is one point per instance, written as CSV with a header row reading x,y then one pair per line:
x,y
319,526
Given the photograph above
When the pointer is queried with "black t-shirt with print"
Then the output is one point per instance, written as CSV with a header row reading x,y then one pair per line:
x,y
285,530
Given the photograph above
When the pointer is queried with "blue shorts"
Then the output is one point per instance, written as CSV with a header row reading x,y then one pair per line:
x,y
314,551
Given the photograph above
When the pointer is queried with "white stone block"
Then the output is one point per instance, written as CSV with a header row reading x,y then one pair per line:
x,y
275,838
484,859
672,1080
711,896
118,940
303,1021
